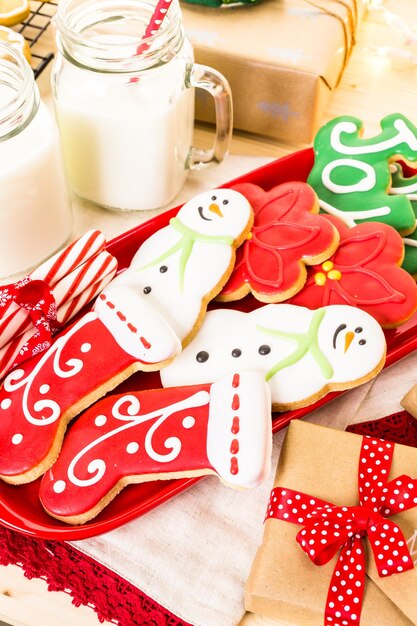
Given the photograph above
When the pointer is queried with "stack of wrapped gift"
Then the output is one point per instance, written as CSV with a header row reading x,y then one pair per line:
x,y
338,545
282,60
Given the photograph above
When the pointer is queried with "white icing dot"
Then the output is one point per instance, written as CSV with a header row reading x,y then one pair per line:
x,y
44,389
5,403
132,447
17,438
60,486
100,420
86,347
188,422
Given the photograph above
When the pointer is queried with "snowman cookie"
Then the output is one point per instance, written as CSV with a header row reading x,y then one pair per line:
x,y
137,323
352,177
223,429
303,354
183,266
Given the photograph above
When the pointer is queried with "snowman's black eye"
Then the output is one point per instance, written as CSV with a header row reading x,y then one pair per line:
x,y
225,201
147,290
362,342
359,329
202,356
214,198
264,349
236,352
163,269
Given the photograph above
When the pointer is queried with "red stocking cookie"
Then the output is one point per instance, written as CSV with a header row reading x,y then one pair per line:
x,y
138,323
286,236
223,429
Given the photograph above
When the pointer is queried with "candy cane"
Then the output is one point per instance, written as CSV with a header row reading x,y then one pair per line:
x,y
108,266
14,320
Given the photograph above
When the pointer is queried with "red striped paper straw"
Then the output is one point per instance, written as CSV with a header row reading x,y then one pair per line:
x,y
155,23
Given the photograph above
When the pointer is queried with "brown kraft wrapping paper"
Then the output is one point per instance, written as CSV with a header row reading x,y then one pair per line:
x,y
282,58
283,582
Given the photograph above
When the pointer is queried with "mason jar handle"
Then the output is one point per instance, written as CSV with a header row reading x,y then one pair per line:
x,y
215,83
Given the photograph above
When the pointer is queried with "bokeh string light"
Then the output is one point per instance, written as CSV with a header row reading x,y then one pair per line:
x,y
404,55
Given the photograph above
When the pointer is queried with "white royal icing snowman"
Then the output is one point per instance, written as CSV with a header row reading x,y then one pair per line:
x,y
184,265
303,354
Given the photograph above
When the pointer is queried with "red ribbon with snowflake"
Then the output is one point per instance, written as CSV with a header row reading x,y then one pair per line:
x,y
36,298
329,528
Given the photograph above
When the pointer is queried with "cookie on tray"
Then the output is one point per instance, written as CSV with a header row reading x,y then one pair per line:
x,y
287,235
140,321
351,175
223,429
303,354
365,272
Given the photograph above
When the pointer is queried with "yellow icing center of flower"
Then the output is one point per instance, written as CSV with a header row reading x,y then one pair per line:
x,y
328,272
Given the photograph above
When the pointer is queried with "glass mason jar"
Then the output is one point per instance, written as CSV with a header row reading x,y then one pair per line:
x,y
125,102
35,215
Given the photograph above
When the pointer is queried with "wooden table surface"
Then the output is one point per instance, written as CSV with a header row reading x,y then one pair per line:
x,y
372,86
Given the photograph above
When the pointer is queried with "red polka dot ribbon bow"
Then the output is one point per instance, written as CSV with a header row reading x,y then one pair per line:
x,y
35,296
329,528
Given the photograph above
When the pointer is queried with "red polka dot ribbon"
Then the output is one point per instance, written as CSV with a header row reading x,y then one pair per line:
x,y
329,528
35,296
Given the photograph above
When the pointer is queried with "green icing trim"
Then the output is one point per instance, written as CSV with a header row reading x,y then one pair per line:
x,y
306,342
186,244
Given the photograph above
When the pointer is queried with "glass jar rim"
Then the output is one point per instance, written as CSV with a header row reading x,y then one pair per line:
x,y
74,17
16,73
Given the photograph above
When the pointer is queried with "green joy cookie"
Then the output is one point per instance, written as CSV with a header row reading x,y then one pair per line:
x,y
352,177
401,185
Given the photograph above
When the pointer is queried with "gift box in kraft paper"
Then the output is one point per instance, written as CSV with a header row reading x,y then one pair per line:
x,y
282,58
283,583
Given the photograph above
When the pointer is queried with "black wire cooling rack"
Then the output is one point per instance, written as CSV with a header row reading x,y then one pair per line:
x,y
33,28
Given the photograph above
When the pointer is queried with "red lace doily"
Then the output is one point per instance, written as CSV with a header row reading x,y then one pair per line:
x,y
399,427
114,599
88,582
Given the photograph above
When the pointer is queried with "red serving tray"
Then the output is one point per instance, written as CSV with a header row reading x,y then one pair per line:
x,y
20,508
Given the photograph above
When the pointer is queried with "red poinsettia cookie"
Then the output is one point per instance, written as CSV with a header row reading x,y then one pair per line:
x,y
286,236
364,272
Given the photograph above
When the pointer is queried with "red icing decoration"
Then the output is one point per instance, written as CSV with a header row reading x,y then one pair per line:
x,y
236,381
234,466
368,259
132,328
285,236
234,446
235,402
145,343
235,426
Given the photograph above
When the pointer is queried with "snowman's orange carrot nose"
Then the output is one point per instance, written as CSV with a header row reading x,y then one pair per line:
x,y
215,209
348,340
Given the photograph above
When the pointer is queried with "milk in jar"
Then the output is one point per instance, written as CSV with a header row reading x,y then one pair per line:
x,y
35,215
125,108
